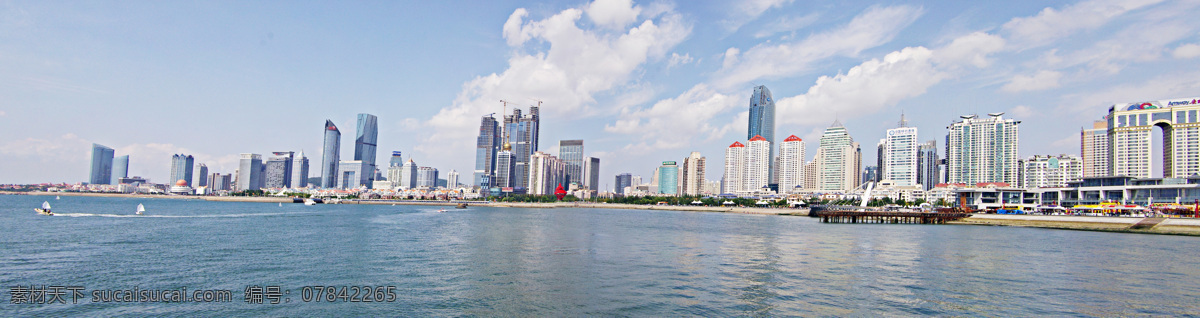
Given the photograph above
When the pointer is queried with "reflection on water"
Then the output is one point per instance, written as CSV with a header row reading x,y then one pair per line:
x,y
584,262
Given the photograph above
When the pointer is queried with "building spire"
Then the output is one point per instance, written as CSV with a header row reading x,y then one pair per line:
x,y
903,122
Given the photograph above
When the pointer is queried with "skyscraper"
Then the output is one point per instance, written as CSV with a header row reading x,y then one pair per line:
x,y
735,166
279,170
364,146
427,177
983,150
691,181
396,160
546,173
329,155
522,133
504,177
880,165
120,169
758,164
571,153
668,178
300,171
201,173
791,164
591,173
900,155
219,182
486,146
249,172
762,123
102,162
1094,149
408,175
623,180
181,168
840,160
452,179
927,165
350,174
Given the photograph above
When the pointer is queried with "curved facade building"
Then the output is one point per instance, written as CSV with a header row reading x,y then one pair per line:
x,y
762,123
364,146
329,155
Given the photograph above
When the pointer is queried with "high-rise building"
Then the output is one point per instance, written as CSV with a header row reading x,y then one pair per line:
x,y
503,177
692,178
486,146
249,174
870,173
279,170
1129,134
762,123
840,160
622,181
546,173
811,171
668,178
120,169
396,160
735,167
1050,171
350,174
408,175
522,133
202,173
880,166
927,165
983,150
220,182
181,168
452,179
791,164
1094,149
758,164
300,171
329,155
591,173
427,177
102,165
900,155
571,153
365,145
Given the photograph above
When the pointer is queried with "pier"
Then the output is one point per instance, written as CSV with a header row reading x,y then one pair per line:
x,y
888,217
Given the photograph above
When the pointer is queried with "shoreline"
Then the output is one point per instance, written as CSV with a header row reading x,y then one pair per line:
x,y
742,210
1165,226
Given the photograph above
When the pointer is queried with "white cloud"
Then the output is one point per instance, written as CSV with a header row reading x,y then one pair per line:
x,y
1186,51
1051,24
1137,43
874,27
786,24
972,49
2,113
675,122
1040,81
745,11
677,59
575,66
866,88
1022,111
613,14
67,147
1165,86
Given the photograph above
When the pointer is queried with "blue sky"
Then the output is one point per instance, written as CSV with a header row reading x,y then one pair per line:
x,y
641,82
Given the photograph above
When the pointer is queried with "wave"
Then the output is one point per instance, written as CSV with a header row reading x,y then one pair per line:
x,y
177,216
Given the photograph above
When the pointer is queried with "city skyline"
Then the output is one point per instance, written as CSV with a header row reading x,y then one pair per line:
x,y
1057,68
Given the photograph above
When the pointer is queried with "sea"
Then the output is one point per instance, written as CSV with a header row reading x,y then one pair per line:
x,y
94,257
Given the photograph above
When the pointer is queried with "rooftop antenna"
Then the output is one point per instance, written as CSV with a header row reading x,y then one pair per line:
x,y
903,122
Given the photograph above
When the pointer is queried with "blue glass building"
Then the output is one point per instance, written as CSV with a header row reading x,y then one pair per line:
x,y
485,151
364,146
120,169
762,123
102,162
329,155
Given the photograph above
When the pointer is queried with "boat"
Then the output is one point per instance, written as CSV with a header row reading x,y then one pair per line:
x,y
57,197
141,208
442,210
45,209
309,202
280,203
461,206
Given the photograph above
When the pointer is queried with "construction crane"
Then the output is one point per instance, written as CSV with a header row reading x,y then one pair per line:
x,y
539,105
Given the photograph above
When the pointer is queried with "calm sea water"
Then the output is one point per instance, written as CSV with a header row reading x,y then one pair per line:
x,y
574,262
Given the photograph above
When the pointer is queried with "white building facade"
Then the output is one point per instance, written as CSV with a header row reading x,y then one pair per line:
x,y
981,150
791,164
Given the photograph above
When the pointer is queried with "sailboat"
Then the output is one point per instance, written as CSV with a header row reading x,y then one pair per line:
x,y
280,203
45,209
57,197
141,208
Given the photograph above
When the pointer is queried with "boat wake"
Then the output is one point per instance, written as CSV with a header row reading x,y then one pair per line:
x,y
178,216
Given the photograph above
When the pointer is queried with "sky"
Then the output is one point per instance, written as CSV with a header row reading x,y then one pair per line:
x,y
640,82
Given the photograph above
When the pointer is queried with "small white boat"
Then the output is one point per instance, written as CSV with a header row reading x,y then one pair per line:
x,y
309,202
45,209
442,210
280,203
57,197
141,208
